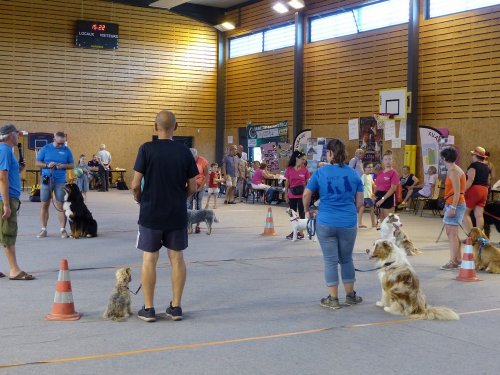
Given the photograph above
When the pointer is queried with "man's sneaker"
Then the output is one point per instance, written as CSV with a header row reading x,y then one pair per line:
x,y
174,313
300,236
148,315
290,236
64,234
42,234
450,266
352,299
197,230
330,302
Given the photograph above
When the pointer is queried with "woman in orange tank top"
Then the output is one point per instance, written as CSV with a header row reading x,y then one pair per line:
x,y
454,209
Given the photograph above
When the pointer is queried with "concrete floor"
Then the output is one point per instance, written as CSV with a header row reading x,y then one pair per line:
x,y
251,304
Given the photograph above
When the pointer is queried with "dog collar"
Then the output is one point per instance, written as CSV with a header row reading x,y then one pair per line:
x,y
295,219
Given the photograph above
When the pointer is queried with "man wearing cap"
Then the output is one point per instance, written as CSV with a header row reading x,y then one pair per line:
x,y
54,158
10,191
356,162
476,188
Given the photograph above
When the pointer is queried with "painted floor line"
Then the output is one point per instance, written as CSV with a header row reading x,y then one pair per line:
x,y
223,342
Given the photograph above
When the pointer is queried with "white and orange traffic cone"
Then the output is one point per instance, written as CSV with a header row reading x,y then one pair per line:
x,y
468,268
63,307
269,228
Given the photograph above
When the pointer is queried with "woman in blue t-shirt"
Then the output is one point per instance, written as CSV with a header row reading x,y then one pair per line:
x,y
341,194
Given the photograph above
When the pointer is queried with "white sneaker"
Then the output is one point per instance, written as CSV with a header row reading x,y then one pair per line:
x,y
64,234
42,234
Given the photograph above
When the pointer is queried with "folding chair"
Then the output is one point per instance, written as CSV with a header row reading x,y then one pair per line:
x,y
430,203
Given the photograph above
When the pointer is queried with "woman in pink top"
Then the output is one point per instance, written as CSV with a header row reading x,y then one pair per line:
x,y
297,176
258,178
386,182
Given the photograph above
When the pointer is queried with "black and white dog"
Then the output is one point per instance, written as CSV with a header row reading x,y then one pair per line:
x,y
80,219
198,216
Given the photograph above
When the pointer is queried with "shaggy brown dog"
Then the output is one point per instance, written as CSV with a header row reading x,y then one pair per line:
x,y
119,303
401,294
486,255
402,241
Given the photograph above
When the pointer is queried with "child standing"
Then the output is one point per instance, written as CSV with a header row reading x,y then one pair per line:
x,y
83,180
213,184
369,196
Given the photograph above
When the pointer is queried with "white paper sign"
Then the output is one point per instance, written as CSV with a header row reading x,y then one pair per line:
x,y
353,125
230,139
402,130
451,139
396,143
389,130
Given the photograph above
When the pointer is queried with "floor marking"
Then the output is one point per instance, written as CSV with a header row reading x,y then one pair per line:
x,y
225,342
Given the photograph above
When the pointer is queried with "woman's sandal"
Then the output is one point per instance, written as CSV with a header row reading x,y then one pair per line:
x,y
22,276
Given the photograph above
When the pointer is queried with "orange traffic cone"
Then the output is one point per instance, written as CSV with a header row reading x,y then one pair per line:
x,y
468,267
269,228
63,307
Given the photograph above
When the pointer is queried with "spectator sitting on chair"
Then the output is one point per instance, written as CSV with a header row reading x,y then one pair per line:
x,y
94,172
427,188
408,181
259,176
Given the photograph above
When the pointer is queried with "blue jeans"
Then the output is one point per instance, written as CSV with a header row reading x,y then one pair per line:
x,y
198,197
337,245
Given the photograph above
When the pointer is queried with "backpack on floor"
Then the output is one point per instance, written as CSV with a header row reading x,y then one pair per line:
x,y
121,185
35,193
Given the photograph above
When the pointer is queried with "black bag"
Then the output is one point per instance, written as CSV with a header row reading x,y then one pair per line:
x,y
298,190
121,185
441,203
35,193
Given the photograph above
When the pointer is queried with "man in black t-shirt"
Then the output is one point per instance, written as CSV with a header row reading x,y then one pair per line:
x,y
169,172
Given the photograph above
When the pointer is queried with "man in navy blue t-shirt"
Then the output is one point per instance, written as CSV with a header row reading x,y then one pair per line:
x,y
54,158
10,191
169,172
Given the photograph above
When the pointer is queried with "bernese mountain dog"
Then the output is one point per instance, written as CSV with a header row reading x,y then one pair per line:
x,y
80,219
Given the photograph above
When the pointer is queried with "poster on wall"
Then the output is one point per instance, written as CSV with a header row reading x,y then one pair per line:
x,y
370,139
261,134
433,141
270,156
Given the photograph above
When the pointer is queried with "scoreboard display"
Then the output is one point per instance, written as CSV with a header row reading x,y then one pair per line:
x,y
93,34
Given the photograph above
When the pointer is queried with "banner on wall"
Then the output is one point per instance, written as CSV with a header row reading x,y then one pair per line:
x,y
258,135
300,141
433,141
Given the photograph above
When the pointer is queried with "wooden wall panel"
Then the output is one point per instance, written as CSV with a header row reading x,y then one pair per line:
x,y
104,96
343,77
459,78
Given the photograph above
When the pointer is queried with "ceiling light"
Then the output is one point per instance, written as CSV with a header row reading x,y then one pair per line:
x,y
280,7
225,26
296,4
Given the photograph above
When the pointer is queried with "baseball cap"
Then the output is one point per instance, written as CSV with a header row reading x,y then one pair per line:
x,y
7,129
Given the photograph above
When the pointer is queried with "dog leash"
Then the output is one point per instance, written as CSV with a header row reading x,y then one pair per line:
x,y
387,264
52,193
137,291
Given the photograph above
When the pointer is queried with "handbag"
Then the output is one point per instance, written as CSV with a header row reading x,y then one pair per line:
x,y
298,190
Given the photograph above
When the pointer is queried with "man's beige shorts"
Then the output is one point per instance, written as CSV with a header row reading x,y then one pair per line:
x,y
8,228
231,181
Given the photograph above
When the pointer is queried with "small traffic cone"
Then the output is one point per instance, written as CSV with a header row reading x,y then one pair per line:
x,y
468,268
63,307
269,228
